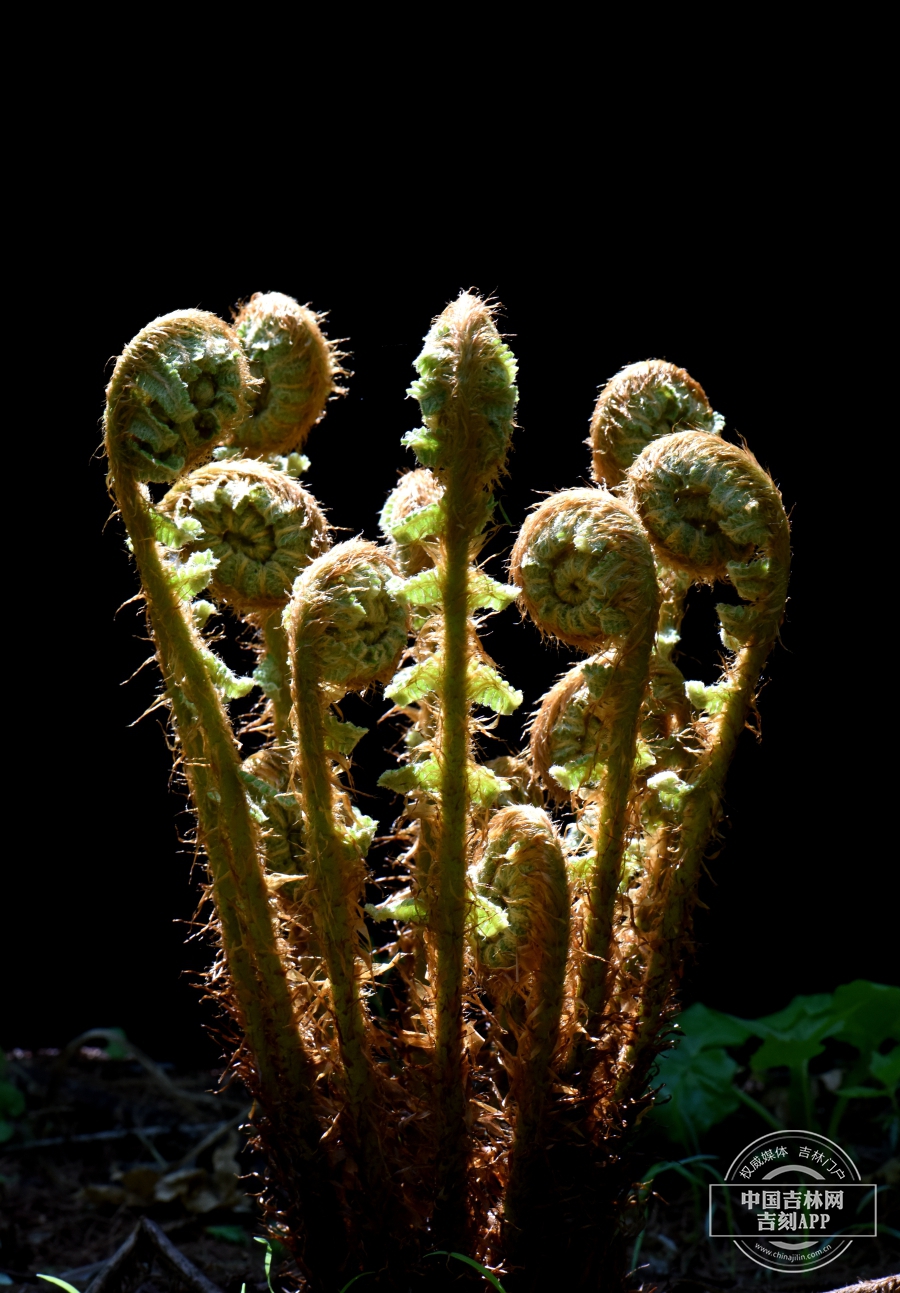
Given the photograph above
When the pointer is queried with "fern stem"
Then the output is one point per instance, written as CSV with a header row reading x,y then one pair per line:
x,y
333,869
449,872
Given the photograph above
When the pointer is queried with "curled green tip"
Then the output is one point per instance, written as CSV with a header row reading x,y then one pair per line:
x,y
179,389
467,393
641,403
343,606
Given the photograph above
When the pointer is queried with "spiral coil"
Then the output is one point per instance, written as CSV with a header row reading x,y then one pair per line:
x,y
584,568
260,525
410,514
711,510
641,403
295,368
342,605
179,388
523,871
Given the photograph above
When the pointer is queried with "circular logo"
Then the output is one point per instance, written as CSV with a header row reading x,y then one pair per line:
x,y
789,1199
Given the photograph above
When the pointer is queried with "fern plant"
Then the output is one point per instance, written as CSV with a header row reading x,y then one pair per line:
x,y
470,1083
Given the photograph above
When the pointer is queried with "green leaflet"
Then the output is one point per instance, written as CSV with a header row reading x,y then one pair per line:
x,y
487,594
886,1069
424,444
487,687
188,578
201,612
171,534
360,832
267,676
424,589
670,789
342,737
425,523
487,919
484,786
415,683
712,700
228,684
403,907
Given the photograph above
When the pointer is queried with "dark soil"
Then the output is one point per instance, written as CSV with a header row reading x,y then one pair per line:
x,y
103,1142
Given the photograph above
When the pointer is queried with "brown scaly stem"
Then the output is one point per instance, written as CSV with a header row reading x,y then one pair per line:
x,y
285,1074
449,908
701,813
345,632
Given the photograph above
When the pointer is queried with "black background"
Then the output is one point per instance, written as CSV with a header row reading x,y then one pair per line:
x,y
748,295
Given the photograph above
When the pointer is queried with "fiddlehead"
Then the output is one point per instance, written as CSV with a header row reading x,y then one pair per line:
x,y
295,368
260,526
412,512
180,388
713,513
643,402
587,576
198,351
467,395
346,631
522,872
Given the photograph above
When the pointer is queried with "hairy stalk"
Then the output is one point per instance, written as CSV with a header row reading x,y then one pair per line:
x,y
275,639
284,1072
714,514
587,575
345,633
524,961
467,398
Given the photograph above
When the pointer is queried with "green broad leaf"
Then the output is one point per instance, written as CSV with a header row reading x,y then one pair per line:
x,y
188,578
886,1069
403,907
12,1102
702,1028
861,1093
700,1084
643,755
487,594
795,1016
172,535
415,683
228,684
791,1048
423,589
487,687
870,1014
342,737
